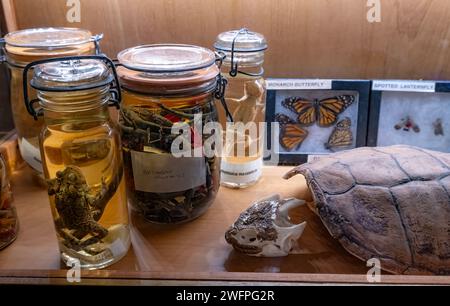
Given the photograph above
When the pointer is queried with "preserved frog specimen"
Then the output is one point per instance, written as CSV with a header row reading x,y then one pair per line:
x,y
79,207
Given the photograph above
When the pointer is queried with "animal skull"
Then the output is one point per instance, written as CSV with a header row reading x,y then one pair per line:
x,y
265,229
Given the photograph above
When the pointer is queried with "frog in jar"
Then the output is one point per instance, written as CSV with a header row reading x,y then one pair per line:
x,y
79,207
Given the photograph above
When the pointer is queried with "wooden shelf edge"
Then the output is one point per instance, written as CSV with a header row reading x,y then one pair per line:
x,y
111,277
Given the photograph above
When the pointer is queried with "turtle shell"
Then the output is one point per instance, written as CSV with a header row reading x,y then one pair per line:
x,y
390,203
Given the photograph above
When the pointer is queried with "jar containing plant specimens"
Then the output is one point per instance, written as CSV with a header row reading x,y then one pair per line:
x,y
246,97
81,157
25,46
9,224
167,114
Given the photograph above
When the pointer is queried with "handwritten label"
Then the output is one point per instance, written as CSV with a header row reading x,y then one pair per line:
x,y
399,85
166,173
279,84
119,247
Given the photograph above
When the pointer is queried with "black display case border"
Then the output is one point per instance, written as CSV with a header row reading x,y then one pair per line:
x,y
361,86
375,104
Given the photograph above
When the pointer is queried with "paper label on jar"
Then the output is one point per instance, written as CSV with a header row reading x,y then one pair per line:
x,y
161,173
241,173
302,84
315,157
400,85
31,155
118,248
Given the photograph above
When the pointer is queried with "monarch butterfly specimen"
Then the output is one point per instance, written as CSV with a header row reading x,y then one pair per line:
x,y
291,133
324,112
406,124
342,136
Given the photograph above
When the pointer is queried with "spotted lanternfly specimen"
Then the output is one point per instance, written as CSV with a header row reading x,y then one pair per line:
x,y
438,129
407,124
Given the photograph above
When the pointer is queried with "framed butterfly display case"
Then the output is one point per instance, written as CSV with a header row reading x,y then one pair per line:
x,y
410,112
310,118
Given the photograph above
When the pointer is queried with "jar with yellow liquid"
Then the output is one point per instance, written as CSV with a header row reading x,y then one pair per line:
x,y
23,47
242,157
81,157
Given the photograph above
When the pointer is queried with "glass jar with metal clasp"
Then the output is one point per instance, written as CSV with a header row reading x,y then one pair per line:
x,y
246,99
168,104
81,156
25,46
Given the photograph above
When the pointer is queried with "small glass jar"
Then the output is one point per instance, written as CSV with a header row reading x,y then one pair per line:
x,y
9,224
246,99
165,87
26,46
82,160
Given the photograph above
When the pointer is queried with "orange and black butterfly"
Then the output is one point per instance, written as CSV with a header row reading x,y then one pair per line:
x,y
324,112
291,133
342,136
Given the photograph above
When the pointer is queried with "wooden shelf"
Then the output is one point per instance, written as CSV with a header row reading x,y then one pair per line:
x,y
195,252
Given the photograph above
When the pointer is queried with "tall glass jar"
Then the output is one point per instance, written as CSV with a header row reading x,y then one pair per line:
x,y
82,160
246,98
25,46
168,88
9,224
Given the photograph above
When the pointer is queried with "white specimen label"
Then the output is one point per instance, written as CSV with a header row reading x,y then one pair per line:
x,y
166,173
241,173
399,85
315,157
279,84
31,155
118,248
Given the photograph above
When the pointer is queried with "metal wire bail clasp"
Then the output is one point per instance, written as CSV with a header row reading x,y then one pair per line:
x,y
234,65
96,40
2,50
113,81
220,57
221,85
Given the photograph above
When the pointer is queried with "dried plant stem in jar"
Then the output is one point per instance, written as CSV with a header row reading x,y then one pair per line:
x,y
9,224
168,99
149,129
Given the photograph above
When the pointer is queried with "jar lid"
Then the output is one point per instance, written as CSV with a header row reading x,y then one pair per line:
x,y
48,37
244,41
167,69
166,58
69,75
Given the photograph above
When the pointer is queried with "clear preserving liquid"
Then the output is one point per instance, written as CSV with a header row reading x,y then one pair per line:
x,y
89,206
242,158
